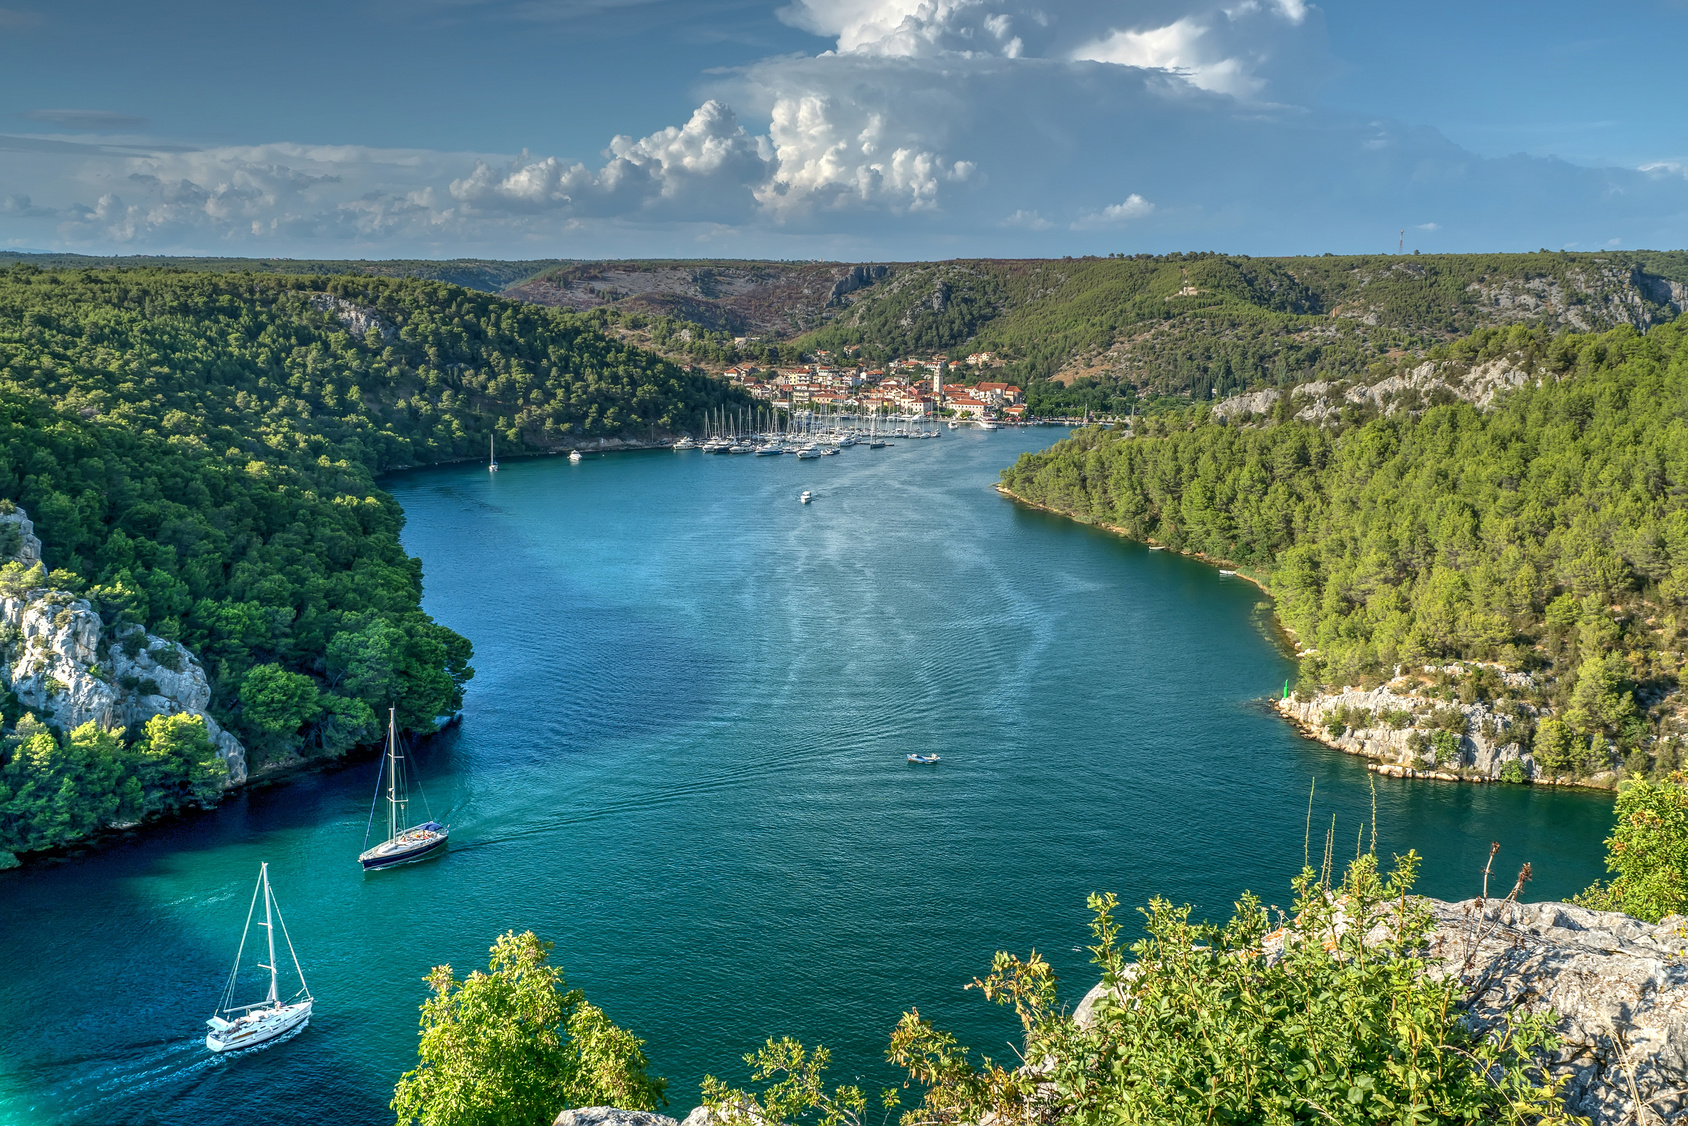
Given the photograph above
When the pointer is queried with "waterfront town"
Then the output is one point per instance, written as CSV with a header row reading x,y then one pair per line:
x,y
935,387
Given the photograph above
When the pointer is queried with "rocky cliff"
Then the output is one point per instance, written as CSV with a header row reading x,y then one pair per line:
x,y
60,661
1409,733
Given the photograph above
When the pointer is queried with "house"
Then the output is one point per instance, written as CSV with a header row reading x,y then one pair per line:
x,y
967,405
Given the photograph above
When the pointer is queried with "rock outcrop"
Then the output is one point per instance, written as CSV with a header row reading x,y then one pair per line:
x,y
612,1116
62,664
1396,726
1617,987
359,320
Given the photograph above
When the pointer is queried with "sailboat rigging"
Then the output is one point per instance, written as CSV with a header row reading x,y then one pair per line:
x,y
405,842
244,1026
491,453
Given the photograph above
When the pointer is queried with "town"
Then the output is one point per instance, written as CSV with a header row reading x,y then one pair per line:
x,y
901,387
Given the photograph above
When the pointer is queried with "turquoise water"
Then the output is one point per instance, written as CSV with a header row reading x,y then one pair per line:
x,y
682,761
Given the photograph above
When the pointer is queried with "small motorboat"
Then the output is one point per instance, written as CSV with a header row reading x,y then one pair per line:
x,y
805,497
574,455
923,760
1227,572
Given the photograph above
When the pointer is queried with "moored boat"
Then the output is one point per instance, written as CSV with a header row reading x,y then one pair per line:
x,y
923,760
574,455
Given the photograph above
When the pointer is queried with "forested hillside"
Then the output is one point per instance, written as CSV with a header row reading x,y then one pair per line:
x,y
199,452
488,274
1548,536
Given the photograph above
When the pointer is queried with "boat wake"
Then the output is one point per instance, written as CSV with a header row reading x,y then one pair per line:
x,y
103,1087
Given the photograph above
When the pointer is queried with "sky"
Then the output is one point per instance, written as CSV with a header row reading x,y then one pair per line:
x,y
839,129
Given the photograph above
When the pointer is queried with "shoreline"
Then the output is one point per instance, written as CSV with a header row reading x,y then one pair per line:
x,y
1368,747
1233,570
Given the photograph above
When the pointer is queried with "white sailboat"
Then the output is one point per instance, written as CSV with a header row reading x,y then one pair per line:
x,y
492,454
405,842
244,1026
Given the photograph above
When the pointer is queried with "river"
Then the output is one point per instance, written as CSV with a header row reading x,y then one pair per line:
x,y
682,760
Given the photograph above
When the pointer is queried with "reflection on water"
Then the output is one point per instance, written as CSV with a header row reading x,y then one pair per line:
x,y
682,760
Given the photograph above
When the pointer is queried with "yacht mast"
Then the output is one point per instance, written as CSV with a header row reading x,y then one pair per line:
x,y
269,929
392,781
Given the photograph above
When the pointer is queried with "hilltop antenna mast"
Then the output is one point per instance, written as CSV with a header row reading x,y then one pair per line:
x,y
1401,247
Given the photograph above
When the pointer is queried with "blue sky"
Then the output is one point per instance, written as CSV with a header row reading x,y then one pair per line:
x,y
838,128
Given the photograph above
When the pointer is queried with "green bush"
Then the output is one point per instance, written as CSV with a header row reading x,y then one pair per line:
x,y
508,1046
1514,773
1199,1027
1647,852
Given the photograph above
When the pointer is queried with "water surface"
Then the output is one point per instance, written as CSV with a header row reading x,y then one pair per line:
x,y
682,760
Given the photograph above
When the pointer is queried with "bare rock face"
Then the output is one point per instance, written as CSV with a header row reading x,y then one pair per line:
x,y
58,659
1618,988
358,319
29,548
1485,748
610,1116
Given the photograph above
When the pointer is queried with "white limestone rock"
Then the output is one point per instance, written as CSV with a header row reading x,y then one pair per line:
x,y
50,658
29,548
611,1116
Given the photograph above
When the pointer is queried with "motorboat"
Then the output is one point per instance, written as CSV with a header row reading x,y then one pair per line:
x,y
246,1026
805,497
685,443
574,455
923,760
809,452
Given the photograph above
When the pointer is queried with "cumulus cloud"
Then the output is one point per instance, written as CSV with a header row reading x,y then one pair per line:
x,y
709,165
916,127
1030,220
1133,206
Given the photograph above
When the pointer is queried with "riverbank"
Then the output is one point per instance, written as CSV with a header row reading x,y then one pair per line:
x,y
1404,727
1225,566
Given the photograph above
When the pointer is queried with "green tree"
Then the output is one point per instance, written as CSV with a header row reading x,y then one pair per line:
x,y
1647,852
179,764
278,702
509,1047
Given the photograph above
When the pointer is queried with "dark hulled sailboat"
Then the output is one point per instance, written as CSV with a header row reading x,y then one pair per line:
x,y
405,843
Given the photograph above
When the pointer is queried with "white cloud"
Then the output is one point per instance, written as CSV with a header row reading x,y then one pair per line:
x,y
708,164
1030,220
1430,226
921,127
1133,206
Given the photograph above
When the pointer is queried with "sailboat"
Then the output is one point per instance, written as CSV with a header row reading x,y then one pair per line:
x,y
405,843
244,1026
492,454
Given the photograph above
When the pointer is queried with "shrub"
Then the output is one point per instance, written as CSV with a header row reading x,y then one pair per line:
x,y
1647,852
1514,773
510,1046
1198,1027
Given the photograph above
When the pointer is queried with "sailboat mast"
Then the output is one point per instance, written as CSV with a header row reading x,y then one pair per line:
x,y
269,929
392,779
